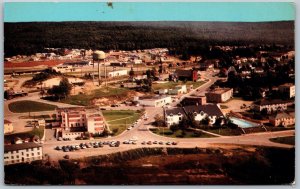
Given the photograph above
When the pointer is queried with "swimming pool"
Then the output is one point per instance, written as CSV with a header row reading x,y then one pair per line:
x,y
243,123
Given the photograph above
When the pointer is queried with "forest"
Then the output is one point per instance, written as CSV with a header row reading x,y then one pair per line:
x,y
194,37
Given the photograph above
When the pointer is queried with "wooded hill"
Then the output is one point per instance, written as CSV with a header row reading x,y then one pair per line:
x,y
32,37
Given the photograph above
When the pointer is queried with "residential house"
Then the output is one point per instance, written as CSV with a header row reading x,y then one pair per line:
x,y
219,95
25,152
200,112
282,119
8,127
189,75
174,116
154,101
287,89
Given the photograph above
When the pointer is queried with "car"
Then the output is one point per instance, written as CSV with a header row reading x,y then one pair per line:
x,y
66,149
58,148
125,142
160,143
129,128
102,108
155,142
174,143
143,143
133,142
149,142
60,139
83,146
96,146
168,143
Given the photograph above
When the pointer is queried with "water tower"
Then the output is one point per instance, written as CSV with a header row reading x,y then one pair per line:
x,y
98,56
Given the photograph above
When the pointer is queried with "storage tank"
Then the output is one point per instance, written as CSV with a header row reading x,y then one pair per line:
x,y
98,55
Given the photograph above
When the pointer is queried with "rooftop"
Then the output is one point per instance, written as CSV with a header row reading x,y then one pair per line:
x,y
152,97
6,121
209,109
270,102
219,90
14,147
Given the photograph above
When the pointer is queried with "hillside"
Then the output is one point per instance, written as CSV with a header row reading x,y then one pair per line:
x,y
28,38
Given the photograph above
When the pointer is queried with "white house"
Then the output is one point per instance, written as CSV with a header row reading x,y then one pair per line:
x,y
174,116
154,101
200,112
180,89
25,152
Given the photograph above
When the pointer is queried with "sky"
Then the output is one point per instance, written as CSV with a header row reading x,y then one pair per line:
x,y
151,11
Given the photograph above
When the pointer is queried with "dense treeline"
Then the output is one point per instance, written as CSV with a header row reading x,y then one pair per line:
x,y
29,38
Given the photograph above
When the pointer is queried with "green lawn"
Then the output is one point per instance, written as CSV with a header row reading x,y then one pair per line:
x,y
86,99
178,134
34,132
172,85
120,119
29,106
284,140
225,131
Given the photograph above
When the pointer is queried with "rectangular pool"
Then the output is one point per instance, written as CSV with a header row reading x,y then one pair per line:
x,y
243,123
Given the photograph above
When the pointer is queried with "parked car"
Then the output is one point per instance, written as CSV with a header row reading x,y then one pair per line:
x,y
155,142
161,142
174,143
143,143
168,143
149,142
58,148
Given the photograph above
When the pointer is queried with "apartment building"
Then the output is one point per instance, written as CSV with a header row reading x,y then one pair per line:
x,y
282,119
219,95
270,105
287,90
95,123
25,152
71,118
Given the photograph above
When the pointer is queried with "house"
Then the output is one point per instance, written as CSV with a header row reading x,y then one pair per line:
x,y
194,100
189,75
200,112
179,89
282,119
270,105
95,124
163,91
8,127
154,101
174,116
287,90
25,152
219,95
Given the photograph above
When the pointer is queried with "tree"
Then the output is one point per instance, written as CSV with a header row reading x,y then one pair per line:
x,y
131,73
184,124
205,121
174,128
159,121
62,90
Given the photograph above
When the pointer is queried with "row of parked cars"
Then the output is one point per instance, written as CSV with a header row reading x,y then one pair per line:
x,y
158,142
69,148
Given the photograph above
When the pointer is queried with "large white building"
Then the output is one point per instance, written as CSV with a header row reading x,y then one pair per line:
x,y
117,73
95,123
25,152
154,101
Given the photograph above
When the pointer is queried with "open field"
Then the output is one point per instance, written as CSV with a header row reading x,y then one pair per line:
x,y
120,119
29,106
284,140
179,134
86,99
172,85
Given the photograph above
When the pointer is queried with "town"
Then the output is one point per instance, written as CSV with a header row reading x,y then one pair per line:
x,y
93,102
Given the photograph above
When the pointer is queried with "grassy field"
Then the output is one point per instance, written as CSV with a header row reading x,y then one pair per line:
x,y
178,134
34,132
120,119
172,85
225,131
284,140
86,99
29,106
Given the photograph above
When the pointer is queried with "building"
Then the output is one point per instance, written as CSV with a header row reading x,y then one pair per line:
x,y
194,100
117,73
219,95
270,105
200,112
74,121
163,91
282,119
8,127
25,152
189,75
287,90
154,101
174,116
95,124
179,89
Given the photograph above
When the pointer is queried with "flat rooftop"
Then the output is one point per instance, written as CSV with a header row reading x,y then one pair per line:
x,y
219,90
